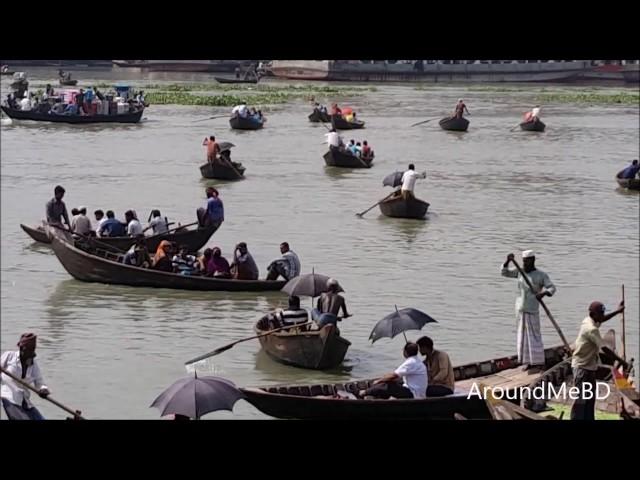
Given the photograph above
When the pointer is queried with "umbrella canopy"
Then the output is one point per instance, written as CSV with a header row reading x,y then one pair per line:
x,y
399,322
225,146
393,180
308,285
194,397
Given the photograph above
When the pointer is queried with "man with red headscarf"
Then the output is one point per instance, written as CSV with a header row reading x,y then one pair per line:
x,y
21,364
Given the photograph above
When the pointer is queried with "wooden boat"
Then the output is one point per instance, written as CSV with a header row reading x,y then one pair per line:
x,y
538,126
37,233
46,117
7,72
87,263
343,159
629,183
235,80
239,123
337,400
454,124
317,116
314,349
339,123
222,171
68,83
194,239
398,207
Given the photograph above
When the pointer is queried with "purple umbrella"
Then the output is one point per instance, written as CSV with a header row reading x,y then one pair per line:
x,y
194,397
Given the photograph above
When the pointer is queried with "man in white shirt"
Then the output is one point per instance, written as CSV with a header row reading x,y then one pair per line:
x,y
413,374
100,218
288,266
334,140
133,225
535,113
157,223
80,223
25,103
240,110
21,364
409,181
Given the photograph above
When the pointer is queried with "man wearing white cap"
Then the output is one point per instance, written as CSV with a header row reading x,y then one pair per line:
x,y
529,337
80,223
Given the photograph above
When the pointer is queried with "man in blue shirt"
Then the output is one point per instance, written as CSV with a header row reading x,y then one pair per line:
x,y
112,227
214,211
631,171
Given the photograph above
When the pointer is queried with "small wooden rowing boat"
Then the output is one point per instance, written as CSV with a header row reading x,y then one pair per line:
x,y
338,400
68,83
88,263
344,159
318,116
240,123
314,349
628,183
193,238
398,207
454,124
222,171
538,126
339,123
235,80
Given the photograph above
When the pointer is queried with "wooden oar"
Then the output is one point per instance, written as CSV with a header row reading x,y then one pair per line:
x,y
210,118
513,128
219,350
89,237
564,340
424,121
76,413
624,342
177,228
375,205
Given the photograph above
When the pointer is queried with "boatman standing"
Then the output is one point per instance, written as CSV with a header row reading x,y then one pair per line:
x,y
21,364
334,140
529,337
56,210
409,181
460,109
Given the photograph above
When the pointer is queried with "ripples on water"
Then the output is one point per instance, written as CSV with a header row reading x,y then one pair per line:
x,y
110,350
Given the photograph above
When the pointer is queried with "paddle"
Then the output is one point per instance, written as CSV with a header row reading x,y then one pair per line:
x,y
564,340
375,205
179,227
424,121
624,343
75,413
512,129
84,235
210,118
219,350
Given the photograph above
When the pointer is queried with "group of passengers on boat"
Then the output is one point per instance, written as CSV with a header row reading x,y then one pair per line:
x,y
357,149
75,102
243,111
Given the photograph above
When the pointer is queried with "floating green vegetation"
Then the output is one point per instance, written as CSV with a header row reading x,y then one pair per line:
x,y
592,98
182,98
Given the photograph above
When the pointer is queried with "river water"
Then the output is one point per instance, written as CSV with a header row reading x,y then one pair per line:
x,y
110,350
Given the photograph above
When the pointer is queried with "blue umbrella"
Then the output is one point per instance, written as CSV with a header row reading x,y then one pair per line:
x,y
194,397
399,322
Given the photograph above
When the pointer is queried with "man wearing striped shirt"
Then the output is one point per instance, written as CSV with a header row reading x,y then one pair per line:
x,y
288,266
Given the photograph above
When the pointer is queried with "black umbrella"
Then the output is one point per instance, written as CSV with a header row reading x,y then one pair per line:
x,y
393,180
194,397
308,285
225,146
399,322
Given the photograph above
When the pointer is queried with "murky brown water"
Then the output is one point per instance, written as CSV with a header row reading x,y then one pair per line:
x,y
111,350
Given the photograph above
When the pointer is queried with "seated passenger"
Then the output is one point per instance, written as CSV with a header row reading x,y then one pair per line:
x,y
439,368
183,263
218,266
409,380
162,258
